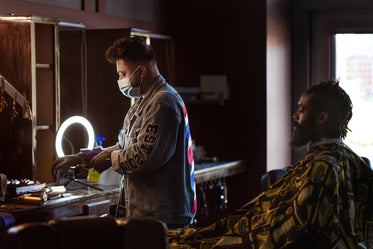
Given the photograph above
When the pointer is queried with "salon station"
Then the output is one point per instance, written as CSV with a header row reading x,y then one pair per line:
x,y
57,96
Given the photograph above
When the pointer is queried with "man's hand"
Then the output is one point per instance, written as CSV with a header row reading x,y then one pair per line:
x,y
101,162
63,162
68,161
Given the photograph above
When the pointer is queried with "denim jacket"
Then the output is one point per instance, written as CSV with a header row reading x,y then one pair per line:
x,y
155,158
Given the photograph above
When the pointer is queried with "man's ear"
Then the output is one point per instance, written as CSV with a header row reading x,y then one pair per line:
x,y
142,70
323,117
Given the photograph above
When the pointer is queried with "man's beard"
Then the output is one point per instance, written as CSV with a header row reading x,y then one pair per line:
x,y
302,134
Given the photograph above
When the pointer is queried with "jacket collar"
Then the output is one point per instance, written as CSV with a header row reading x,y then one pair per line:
x,y
326,141
159,82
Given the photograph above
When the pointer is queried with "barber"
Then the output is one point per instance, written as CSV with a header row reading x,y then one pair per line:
x,y
154,153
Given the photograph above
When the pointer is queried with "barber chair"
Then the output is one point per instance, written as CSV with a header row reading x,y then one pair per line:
x,y
35,235
86,232
6,221
142,233
368,243
271,177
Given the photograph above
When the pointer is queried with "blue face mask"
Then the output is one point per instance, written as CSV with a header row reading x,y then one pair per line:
x,y
127,89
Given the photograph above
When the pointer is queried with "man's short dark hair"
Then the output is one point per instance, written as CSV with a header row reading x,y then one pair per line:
x,y
130,49
330,97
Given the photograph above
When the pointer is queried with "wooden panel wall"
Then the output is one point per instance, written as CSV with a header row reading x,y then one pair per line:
x,y
15,66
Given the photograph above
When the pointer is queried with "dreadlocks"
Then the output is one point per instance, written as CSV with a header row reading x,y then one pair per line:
x,y
330,97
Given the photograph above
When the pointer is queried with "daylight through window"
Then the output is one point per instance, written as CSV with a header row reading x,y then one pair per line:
x,y
354,69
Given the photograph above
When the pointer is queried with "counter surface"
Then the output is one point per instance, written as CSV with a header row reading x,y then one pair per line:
x,y
214,170
82,200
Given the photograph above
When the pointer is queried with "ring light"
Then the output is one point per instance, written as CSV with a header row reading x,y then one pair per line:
x,y
73,120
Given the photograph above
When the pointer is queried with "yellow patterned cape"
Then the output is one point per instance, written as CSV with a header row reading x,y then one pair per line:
x,y
320,203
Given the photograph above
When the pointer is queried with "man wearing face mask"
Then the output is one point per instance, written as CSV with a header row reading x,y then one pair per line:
x,y
154,154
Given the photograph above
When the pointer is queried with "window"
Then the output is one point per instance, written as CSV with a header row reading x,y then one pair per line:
x,y
354,69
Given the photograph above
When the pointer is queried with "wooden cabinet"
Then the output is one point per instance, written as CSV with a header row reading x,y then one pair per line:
x,y
29,61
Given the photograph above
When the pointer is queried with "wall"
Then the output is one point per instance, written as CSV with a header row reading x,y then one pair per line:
x,y
141,9
92,16
228,38
278,84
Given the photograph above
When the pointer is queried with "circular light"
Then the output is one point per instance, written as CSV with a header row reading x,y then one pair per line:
x,y
73,120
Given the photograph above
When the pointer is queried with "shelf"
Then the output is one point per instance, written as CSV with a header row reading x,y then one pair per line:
x,y
43,127
43,66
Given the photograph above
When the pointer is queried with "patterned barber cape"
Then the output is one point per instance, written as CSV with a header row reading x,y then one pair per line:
x,y
320,203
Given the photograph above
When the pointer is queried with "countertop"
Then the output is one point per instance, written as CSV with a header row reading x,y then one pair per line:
x,y
79,199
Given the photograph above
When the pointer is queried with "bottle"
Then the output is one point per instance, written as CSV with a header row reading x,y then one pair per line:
x,y
93,175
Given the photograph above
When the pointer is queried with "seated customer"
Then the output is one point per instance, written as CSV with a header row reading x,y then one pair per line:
x,y
320,203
